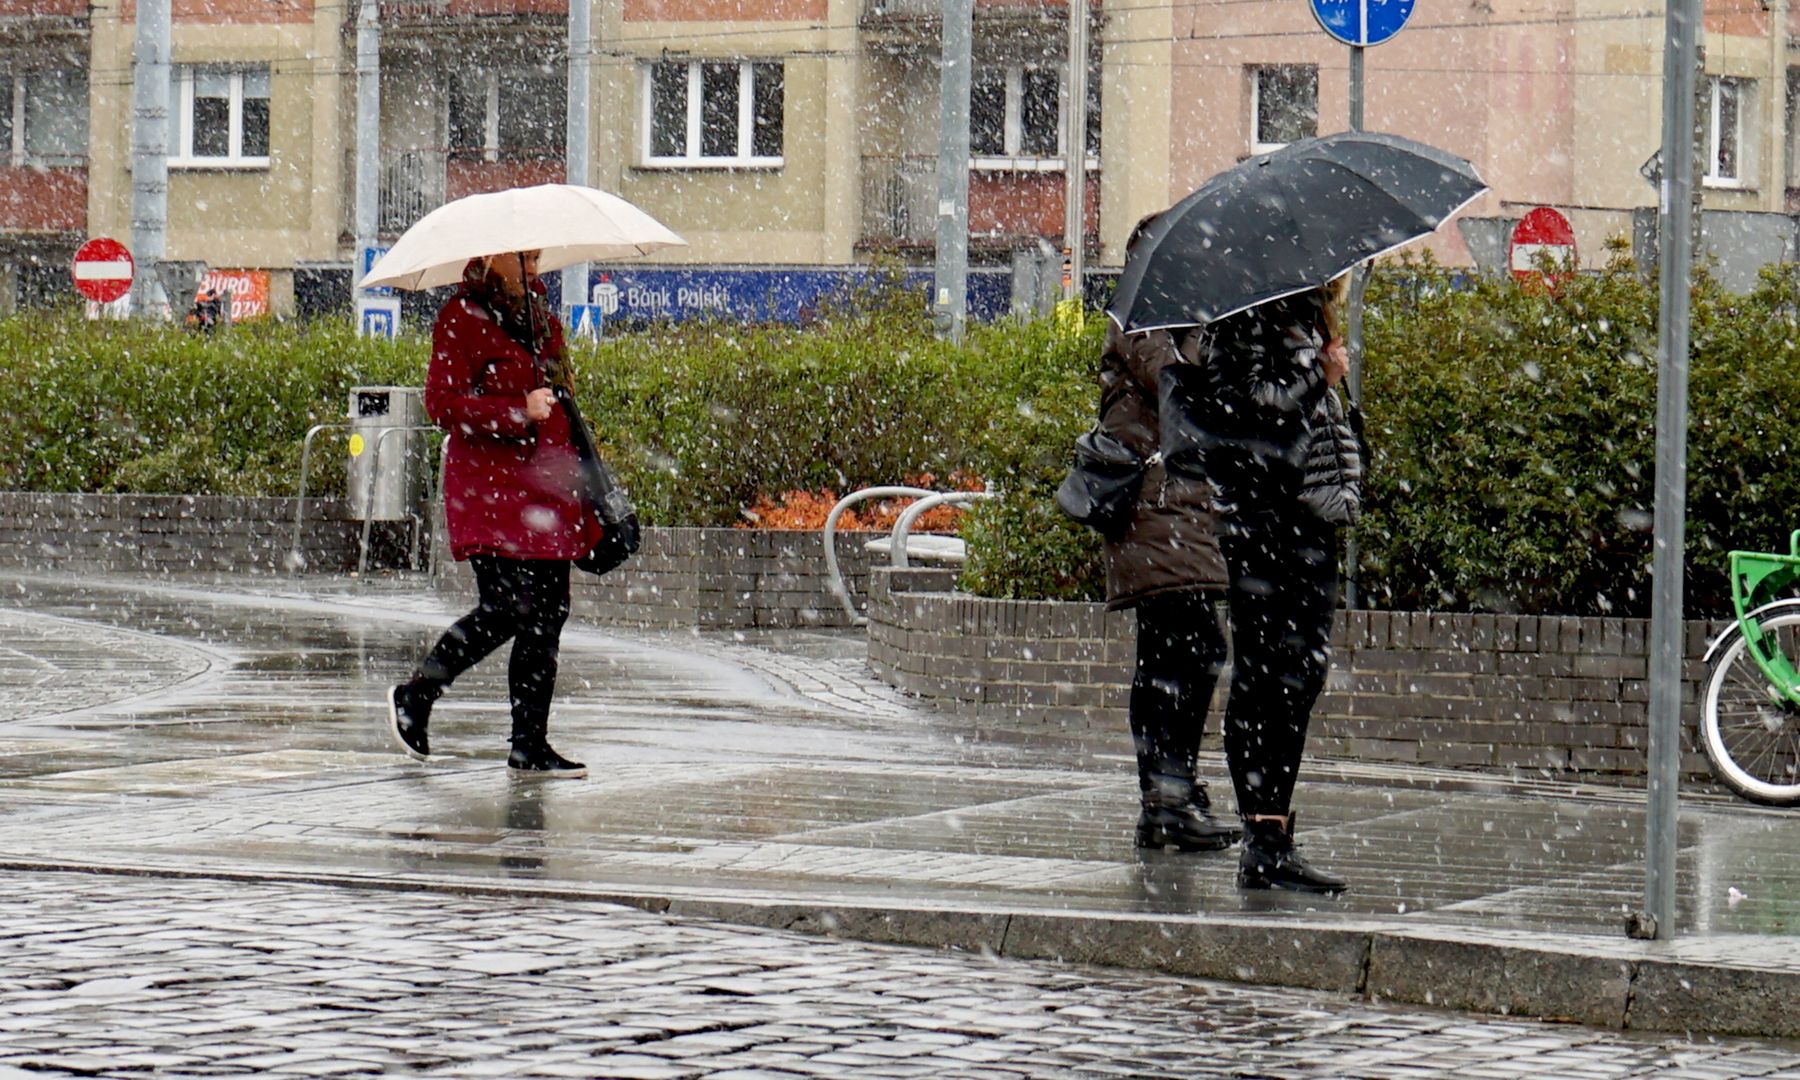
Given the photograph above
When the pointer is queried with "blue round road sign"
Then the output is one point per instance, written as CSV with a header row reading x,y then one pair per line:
x,y
1362,22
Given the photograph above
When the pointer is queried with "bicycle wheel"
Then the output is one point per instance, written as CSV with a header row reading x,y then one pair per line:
x,y
1749,730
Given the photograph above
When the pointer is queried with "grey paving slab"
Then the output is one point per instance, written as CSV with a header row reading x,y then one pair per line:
x,y
231,727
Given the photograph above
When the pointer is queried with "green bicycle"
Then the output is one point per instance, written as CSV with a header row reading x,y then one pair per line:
x,y
1750,712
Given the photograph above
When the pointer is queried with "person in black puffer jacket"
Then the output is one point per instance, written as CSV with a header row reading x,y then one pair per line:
x,y
1264,376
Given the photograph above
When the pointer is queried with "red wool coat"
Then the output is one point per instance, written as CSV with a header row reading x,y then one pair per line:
x,y
511,488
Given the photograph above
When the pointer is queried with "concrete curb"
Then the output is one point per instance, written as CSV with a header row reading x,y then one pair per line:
x,y
1587,979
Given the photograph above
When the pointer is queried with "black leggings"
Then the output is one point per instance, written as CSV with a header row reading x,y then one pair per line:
x,y
1180,651
527,601
1283,595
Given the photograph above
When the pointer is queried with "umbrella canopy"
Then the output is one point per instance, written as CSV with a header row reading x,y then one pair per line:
x,y
1287,221
568,223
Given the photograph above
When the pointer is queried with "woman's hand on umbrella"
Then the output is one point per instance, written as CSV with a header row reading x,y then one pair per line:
x,y
1336,362
538,404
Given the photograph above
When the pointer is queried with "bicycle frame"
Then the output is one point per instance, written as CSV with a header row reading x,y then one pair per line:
x,y
1756,578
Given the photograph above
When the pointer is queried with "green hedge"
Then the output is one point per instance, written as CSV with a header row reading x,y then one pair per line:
x,y
700,419
1512,443
122,406
1511,431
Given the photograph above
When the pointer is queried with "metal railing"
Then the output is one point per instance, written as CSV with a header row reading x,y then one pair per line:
x,y
296,559
899,192
412,185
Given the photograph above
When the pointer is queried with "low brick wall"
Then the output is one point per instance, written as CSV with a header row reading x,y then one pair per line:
x,y
170,532
716,578
1561,695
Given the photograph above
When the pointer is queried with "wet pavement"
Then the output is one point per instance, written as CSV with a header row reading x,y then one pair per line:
x,y
232,729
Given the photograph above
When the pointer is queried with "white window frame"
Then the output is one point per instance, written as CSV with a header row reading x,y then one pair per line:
x,y
1257,145
490,149
17,153
1746,96
746,117
183,109
1012,160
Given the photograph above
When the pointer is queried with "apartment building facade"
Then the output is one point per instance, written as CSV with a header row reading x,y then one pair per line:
x,y
799,137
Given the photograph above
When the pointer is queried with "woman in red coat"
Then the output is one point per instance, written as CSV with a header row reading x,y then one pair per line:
x,y
512,498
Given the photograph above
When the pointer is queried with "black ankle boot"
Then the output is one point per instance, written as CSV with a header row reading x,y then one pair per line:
x,y
534,755
1270,861
1183,821
409,711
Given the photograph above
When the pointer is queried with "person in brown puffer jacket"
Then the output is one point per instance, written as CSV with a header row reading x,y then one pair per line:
x,y
1166,566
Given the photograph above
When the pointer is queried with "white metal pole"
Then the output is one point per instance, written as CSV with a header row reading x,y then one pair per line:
x,y
1075,150
581,57
367,208
950,300
149,155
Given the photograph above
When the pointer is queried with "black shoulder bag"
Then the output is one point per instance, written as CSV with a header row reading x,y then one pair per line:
x,y
620,534
1101,490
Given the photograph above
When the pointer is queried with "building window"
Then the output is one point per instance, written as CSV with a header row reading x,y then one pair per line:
x,y
508,115
43,117
1725,117
1016,111
713,113
1284,105
221,117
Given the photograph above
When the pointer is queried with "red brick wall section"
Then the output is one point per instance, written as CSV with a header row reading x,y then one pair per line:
x,y
43,200
477,177
726,10
1025,204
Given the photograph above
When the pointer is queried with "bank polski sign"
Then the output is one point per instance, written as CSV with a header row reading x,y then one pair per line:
x,y
1362,22
761,294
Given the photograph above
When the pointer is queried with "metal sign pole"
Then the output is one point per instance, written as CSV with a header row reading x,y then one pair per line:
x,y
1676,255
1353,319
951,281
1075,152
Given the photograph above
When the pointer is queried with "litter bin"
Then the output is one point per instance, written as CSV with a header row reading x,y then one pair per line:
x,y
397,460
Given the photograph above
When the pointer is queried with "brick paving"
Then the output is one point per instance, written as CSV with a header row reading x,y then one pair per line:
x,y
121,976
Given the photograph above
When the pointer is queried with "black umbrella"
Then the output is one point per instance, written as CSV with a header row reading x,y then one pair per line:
x,y
1286,221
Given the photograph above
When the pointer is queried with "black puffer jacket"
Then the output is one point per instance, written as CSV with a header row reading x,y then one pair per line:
x,y
1263,379
1170,544
1332,483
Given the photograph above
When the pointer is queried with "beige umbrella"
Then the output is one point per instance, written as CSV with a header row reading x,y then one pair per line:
x,y
568,223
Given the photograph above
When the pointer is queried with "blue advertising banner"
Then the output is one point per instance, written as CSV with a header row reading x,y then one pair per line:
x,y
763,294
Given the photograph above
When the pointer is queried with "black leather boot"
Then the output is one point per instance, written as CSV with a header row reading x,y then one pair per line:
x,y
533,755
1270,861
1180,816
409,711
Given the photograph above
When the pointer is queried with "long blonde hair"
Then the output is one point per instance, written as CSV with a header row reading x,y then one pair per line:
x,y
1334,301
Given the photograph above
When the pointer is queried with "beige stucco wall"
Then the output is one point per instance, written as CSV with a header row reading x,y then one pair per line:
x,y
237,218
805,210
1136,120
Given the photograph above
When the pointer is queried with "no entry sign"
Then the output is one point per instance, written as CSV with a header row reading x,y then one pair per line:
x,y
1542,234
102,270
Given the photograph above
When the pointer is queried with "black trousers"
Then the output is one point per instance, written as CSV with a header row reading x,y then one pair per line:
x,y
1180,651
527,601
1282,597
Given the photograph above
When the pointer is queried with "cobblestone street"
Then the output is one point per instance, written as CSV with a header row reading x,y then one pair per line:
x,y
123,976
